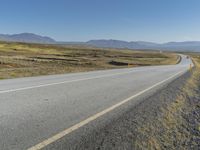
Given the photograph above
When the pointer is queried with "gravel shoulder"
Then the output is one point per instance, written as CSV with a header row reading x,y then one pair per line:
x,y
168,119
162,121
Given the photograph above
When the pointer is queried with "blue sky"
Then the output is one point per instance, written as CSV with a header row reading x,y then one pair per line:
x,y
82,20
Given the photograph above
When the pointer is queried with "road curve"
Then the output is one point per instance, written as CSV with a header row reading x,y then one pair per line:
x,y
38,111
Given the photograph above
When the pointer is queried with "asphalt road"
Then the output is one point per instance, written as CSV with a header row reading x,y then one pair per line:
x,y
38,111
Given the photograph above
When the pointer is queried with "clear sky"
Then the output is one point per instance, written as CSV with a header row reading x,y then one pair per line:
x,y
82,20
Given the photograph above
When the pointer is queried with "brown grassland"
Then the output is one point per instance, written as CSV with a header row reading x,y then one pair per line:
x,y
23,60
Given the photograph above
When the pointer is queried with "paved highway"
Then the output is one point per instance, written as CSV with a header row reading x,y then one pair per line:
x,y
38,111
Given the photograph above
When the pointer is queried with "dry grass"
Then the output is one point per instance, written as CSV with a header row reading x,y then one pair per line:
x,y
21,60
172,130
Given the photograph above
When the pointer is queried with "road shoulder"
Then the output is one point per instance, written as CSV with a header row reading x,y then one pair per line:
x,y
157,122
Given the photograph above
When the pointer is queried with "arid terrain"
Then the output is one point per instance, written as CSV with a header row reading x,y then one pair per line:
x,y
23,60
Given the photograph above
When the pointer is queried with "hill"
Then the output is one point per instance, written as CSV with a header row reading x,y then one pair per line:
x,y
171,46
26,37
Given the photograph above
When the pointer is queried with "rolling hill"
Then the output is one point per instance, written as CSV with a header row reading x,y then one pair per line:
x,y
170,46
26,37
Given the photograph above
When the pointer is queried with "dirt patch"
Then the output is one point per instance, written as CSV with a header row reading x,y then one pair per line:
x,y
117,63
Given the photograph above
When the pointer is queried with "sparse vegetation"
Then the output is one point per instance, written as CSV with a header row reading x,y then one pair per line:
x,y
179,125
22,60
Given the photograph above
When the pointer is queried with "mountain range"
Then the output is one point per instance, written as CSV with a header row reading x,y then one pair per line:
x,y
170,46
26,37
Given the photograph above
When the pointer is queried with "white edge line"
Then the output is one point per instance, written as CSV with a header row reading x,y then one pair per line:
x,y
86,121
57,83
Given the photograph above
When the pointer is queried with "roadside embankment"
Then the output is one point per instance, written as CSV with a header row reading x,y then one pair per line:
x,y
170,119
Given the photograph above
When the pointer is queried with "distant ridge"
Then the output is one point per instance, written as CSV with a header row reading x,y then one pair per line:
x,y
26,37
103,43
121,44
170,46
